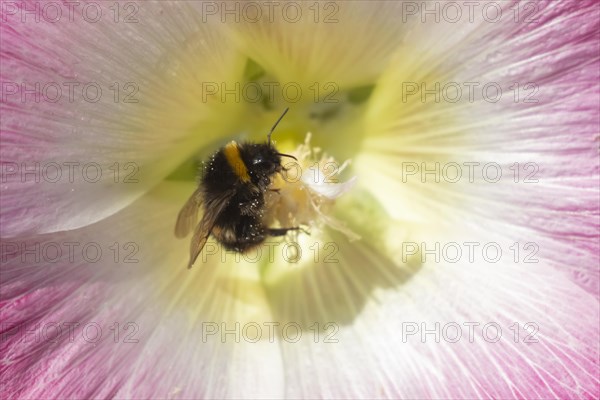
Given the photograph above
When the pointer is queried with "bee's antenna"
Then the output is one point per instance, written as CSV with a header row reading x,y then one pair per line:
x,y
287,155
274,126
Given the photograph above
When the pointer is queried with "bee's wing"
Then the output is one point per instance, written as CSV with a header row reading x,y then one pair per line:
x,y
188,215
212,211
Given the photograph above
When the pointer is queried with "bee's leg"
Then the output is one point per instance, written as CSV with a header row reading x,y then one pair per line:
x,y
278,191
284,231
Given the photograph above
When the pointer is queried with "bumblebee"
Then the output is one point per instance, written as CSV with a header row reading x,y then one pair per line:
x,y
232,195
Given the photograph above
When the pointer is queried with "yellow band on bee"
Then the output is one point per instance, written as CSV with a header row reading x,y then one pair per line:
x,y
232,153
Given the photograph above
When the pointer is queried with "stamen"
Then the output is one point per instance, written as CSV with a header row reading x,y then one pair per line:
x,y
303,197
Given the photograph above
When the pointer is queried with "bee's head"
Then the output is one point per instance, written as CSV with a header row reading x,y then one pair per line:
x,y
263,161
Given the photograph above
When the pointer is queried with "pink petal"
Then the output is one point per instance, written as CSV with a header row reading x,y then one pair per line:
x,y
135,132
160,350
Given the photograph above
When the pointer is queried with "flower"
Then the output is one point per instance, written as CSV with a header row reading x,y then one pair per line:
x,y
483,284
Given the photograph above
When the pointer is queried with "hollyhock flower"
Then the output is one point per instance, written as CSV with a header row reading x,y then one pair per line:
x,y
454,256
